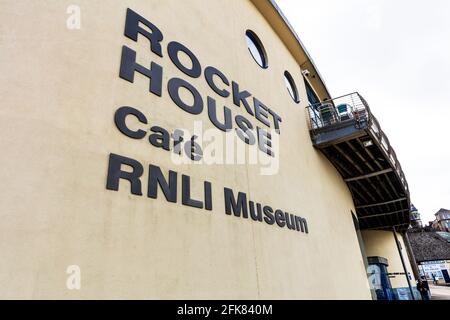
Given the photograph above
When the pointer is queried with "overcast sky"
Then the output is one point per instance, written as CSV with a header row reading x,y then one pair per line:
x,y
396,54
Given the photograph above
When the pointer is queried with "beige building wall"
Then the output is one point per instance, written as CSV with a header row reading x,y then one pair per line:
x,y
382,244
60,89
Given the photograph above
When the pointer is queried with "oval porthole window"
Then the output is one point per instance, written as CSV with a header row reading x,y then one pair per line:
x,y
291,87
256,48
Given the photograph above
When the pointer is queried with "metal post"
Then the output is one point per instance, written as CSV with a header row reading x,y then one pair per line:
x,y
411,256
403,262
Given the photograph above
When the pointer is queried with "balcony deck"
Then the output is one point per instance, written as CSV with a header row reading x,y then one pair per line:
x,y
348,134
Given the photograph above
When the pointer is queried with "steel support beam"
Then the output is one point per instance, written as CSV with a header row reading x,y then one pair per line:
x,y
373,174
403,262
389,226
383,214
380,203
411,256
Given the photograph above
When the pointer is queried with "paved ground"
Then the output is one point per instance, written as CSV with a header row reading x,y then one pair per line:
x,y
439,292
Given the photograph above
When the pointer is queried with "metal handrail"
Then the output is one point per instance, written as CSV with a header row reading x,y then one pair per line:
x,y
327,115
354,110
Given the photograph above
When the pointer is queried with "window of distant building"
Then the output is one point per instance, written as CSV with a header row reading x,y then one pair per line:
x,y
256,49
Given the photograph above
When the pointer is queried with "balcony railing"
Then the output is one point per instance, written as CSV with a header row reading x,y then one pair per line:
x,y
352,109
349,116
343,109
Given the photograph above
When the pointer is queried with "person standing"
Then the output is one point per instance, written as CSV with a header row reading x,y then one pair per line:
x,y
427,288
422,287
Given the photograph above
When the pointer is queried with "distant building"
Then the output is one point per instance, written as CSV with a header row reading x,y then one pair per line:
x,y
431,251
416,222
442,220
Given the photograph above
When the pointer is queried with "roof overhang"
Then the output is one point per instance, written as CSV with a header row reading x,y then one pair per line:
x,y
279,23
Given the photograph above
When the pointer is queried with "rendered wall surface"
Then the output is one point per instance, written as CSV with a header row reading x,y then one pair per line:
x,y
382,243
60,89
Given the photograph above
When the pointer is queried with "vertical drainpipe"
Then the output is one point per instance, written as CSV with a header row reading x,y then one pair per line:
x,y
403,262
